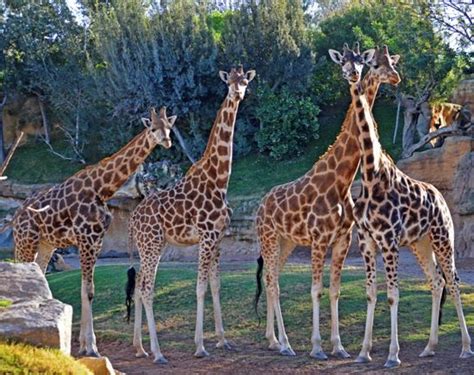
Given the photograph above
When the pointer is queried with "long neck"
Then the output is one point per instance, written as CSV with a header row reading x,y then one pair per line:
x,y
345,150
369,144
112,172
217,158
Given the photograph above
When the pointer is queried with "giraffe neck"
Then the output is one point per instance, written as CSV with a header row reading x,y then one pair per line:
x,y
217,158
112,172
347,161
370,147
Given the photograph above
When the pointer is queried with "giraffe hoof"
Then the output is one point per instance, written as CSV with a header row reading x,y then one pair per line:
x,y
288,352
392,363
224,345
341,354
274,346
81,352
427,353
160,360
141,354
320,356
201,353
362,359
466,354
93,353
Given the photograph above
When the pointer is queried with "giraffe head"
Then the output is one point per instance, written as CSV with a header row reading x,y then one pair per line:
x,y
352,61
383,66
237,81
159,126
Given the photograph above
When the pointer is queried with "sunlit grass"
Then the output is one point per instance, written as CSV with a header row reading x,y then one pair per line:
x,y
175,305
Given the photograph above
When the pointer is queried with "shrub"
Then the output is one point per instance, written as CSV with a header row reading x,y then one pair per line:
x,y
287,123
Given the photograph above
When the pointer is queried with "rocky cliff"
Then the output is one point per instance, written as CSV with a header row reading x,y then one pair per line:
x,y
451,169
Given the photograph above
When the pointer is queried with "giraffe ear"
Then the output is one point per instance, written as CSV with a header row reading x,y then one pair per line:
x,y
146,122
250,75
224,76
368,55
395,59
335,56
171,120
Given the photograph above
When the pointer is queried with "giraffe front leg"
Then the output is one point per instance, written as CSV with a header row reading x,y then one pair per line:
x,y
390,257
87,337
339,253
215,290
318,252
368,250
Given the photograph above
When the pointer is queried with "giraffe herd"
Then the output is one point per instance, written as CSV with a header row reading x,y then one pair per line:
x,y
315,210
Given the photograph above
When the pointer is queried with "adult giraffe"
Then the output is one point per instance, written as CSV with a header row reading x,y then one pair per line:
x,y
315,210
194,211
395,210
74,213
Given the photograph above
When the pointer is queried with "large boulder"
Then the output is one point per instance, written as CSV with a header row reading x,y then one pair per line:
x,y
34,317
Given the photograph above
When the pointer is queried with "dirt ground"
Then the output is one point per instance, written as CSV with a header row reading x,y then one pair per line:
x,y
251,357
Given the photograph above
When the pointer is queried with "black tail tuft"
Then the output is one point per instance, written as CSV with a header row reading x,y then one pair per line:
x,y
443,301
259,285
129,290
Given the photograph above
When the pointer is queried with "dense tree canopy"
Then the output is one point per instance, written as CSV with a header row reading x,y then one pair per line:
x,y
96,73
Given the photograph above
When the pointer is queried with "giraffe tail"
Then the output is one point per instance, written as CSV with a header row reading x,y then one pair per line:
x,y
129,290
443,301
259,285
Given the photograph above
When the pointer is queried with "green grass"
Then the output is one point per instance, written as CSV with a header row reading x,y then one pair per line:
x,y
175,305
4,303
252,175
25,359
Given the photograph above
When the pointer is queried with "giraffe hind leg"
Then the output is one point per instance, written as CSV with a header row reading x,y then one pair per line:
x,y
425,255
444,250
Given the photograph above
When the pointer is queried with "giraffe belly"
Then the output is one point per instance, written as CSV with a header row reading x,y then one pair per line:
x,y
182,236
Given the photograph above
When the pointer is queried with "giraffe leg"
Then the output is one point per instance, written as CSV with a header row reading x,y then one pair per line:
x,y
271,254
269,251
390,257
339,253
88,257
444,250
215,284
318,252
207,250
137,330
368,250
424,253
45,251
145,286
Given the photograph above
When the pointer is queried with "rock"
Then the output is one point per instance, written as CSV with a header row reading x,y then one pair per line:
x,y
34,316
99,366
21,282
464,94
451,169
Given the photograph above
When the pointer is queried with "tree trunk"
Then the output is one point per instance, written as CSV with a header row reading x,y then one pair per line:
x,y
10,154
2,145
45,121
183,144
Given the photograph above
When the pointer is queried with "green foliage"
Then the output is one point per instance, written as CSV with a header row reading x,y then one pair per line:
x,y
288,123
26,359
4,303
399,25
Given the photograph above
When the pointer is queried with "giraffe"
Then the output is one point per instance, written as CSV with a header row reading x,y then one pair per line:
x,y
315,210
75,213
194,211
395,210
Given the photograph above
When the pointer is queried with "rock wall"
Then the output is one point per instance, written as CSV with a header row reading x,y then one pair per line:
x,y
464,94
451,169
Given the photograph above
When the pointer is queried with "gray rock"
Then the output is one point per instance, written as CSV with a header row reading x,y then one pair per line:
x,y
34,316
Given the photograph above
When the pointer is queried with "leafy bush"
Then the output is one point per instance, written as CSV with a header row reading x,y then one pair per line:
x,y
287,123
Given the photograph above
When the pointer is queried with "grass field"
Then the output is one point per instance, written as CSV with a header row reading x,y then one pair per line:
x,y
254,174
175,305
